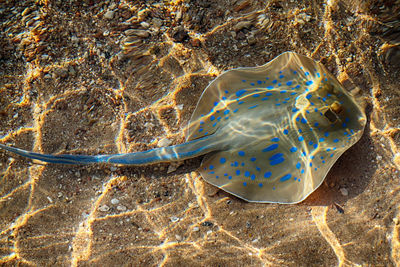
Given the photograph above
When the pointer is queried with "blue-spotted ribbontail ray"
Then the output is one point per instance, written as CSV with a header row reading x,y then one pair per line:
x,y
271,133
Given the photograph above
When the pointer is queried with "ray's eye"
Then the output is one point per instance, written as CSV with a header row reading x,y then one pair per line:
x,y
334,109
330,115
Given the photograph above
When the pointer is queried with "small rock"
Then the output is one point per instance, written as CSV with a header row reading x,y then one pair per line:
x,y
172,168
104,208
144,24
174,219
71,70
109,14
207,223
248,224
344,191
157,22
121,208
62,72
242,5
180,35
139,33
196,229
114,201
74,39
251,40
180,106
178,237
195,42
241,25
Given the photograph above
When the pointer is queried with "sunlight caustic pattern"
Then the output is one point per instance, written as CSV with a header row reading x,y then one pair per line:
x,y
127,78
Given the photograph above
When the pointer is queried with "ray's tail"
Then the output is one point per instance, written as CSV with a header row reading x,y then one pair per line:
x,y
183,151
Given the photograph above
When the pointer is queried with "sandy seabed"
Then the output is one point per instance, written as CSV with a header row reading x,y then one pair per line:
x,y
122,76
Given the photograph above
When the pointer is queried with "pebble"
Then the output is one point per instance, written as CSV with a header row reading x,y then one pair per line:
x,y
207,223
242,5
104,208
180,106
114,201
61,72
251,40
180,35
172,168
241,25
139,33
174,219
109,14
121,208
344,191
196,229
144,24
157,22
303,17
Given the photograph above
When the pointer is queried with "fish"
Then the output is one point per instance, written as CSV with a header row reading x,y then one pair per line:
x,y
267,134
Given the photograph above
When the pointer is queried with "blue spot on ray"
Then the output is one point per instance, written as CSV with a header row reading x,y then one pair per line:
x,y
285,178
270,148
240,92
276,156
253,107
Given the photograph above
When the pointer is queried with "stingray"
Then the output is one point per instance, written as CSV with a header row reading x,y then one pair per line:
x,y
270,133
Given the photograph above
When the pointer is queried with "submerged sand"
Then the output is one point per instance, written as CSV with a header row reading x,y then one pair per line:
x,y
87,77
